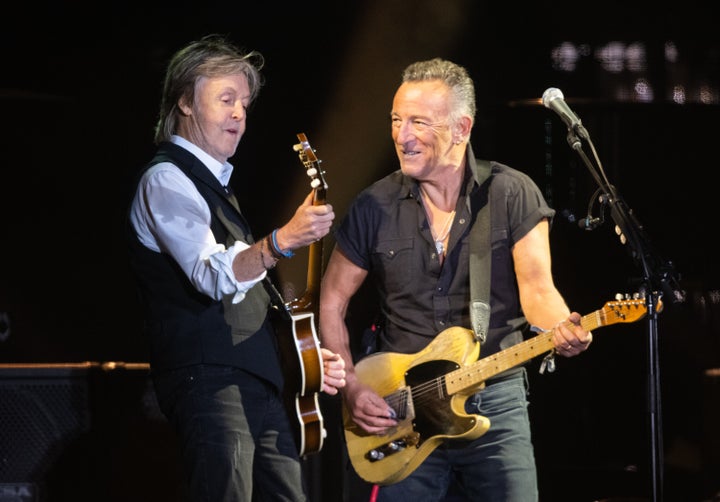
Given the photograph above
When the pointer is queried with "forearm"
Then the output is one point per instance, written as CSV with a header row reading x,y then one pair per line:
x,y
335,336
253,261
544,309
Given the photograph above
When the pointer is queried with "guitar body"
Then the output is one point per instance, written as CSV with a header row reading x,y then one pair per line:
x,y
303,370
429,417
427,391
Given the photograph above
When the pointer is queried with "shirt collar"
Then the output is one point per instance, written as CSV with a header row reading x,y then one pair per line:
x,y
222,171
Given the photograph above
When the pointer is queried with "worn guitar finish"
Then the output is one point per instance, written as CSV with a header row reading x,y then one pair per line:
x,y
427,390
300,348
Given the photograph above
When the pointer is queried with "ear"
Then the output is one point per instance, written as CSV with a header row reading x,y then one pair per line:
x,y
462,129
184,107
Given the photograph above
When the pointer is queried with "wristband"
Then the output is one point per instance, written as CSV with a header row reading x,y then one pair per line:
x,y
276,249
273,253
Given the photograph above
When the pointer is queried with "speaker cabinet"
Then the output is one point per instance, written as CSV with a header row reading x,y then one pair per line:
x,y
84,432
44,410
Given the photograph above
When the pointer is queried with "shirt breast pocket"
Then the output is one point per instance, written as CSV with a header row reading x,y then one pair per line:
x,y
395,259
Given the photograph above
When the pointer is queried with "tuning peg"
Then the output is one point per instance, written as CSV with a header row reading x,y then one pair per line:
x,y
619,233
298,147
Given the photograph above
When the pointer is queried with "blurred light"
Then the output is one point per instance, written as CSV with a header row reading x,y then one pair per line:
x,y
636,57
708,95
671,52
564,57
625,65
643,91
678,94
611,56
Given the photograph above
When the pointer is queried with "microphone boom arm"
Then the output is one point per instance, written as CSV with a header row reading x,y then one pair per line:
x,y
658,273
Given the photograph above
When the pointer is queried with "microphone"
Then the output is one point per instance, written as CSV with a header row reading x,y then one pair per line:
x,y
553,98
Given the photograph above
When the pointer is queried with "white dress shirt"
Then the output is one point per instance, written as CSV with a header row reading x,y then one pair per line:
x,y
169,215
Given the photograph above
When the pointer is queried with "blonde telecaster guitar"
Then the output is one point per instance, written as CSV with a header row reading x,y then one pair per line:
x,y
427,390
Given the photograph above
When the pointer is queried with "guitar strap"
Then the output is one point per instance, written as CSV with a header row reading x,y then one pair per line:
x,y
276,300
480,253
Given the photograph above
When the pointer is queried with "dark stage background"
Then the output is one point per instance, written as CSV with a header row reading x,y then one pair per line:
x,y
79,92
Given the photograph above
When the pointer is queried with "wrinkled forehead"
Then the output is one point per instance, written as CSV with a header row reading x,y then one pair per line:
x,y
427,98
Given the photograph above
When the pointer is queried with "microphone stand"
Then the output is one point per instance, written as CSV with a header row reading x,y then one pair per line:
x,y
658,275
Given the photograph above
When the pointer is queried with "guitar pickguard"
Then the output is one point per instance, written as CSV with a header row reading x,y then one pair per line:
x,y
434,416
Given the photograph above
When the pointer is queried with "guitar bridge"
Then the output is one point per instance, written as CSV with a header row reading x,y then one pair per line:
x,y
400,403
393,447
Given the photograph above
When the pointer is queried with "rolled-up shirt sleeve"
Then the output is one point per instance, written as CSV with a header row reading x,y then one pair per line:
x,y
170,216
222,262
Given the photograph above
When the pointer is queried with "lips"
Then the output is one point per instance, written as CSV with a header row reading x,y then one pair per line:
x,y
407,151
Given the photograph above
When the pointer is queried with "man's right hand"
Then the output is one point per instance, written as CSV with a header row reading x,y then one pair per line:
x,y
368,409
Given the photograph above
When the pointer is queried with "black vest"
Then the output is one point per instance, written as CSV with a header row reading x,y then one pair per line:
x,y
187,327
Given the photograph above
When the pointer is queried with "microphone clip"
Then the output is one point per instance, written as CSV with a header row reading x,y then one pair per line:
x,y
591,222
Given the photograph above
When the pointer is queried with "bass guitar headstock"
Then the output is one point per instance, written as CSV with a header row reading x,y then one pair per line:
x,y
312,167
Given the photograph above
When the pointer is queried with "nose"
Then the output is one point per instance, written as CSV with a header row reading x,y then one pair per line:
x,y
239,111
402,131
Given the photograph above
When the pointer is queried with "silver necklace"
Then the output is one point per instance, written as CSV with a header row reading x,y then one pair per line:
x,y
440,239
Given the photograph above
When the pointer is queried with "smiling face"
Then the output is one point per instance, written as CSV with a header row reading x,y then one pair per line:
x,y
215,120
425,137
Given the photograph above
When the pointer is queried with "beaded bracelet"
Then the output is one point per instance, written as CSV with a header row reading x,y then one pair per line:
x,y
276,249
262,256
